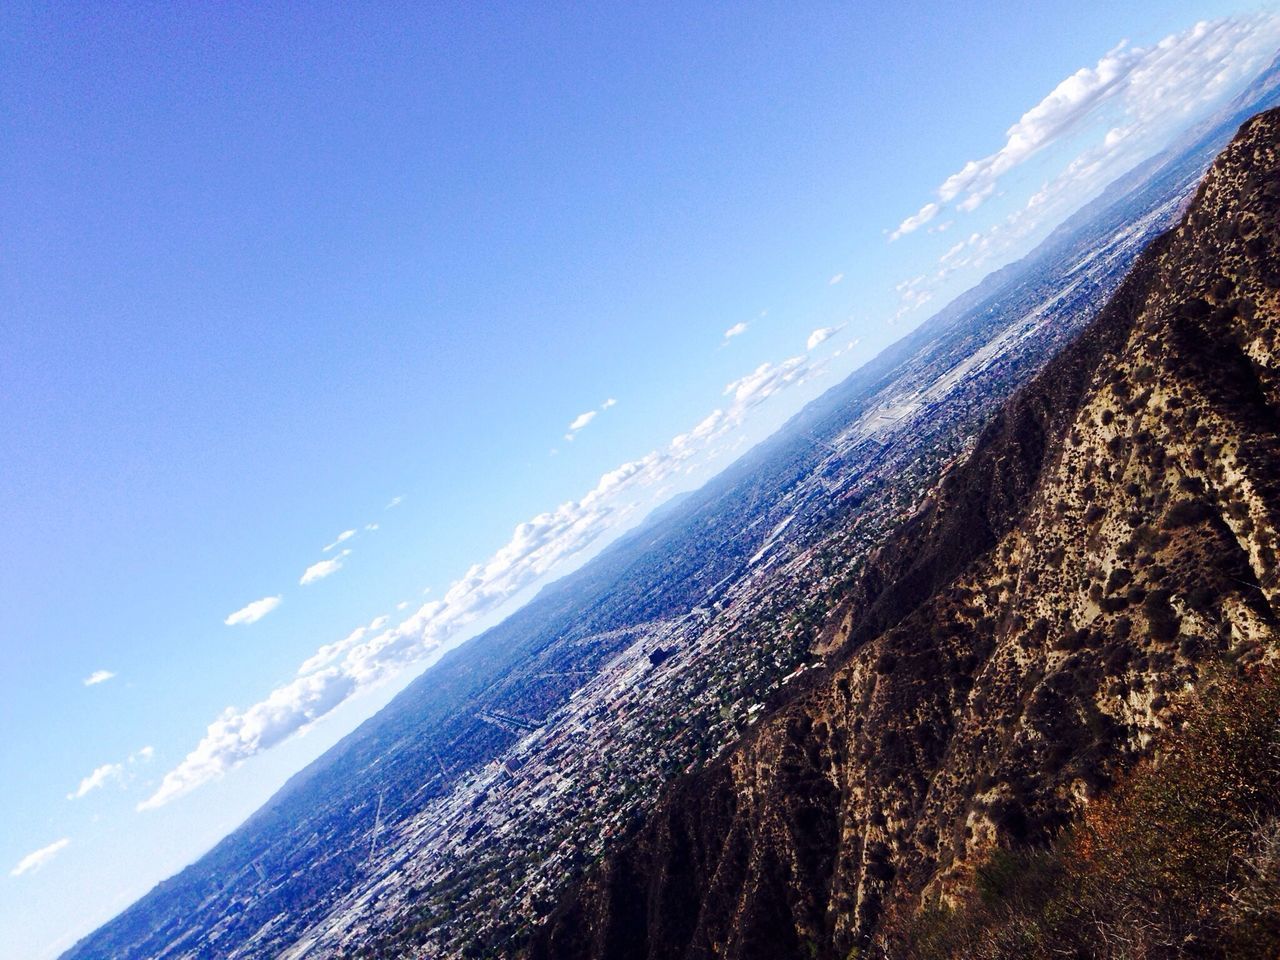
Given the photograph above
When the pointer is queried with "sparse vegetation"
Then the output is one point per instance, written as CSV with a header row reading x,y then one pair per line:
x,y
1181,859
1010,759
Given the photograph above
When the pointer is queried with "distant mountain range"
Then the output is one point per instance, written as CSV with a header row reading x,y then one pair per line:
x,y
527,760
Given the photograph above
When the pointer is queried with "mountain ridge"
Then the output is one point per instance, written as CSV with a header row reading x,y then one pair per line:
x,y
265,885
1111,539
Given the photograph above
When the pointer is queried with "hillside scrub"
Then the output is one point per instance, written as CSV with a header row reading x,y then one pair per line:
x,y
1180,859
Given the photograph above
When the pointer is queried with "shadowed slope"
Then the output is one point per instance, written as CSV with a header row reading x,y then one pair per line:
x,y
1113,537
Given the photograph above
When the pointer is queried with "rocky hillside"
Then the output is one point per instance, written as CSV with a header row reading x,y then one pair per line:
x,y
1033,631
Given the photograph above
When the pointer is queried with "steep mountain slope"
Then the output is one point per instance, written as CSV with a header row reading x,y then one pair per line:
x,y
769,537
1110,541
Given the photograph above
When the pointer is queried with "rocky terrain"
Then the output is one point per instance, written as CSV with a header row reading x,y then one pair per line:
x,y
1038,626
452,822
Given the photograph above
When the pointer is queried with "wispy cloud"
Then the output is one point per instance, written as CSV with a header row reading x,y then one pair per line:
x,y
375,651
112,773
99,778
341,538
37,859
836,279
252,612
737,330
323,568
916,220
582,419
1142,91
1166,84
912,294
851,345
97,677
394,502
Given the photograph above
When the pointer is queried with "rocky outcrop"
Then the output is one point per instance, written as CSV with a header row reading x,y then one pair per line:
x,y
1030,632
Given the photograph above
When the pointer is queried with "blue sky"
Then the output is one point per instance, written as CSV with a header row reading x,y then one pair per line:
x,y
270,274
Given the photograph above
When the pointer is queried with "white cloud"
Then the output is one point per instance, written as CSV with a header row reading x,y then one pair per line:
x,y
537,547
836,279
765,380
332,651
953,251
581,420
1148,87
1057,114
737,330
111,773
1116,114
394,502
97,677
916,220
912,294
821,335
98,779
343,537
976,198
322,568
1116,136
236,736
851,345
36,860
252,612
371,527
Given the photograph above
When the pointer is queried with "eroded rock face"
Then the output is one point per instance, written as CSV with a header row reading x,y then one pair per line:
x,y
1111,542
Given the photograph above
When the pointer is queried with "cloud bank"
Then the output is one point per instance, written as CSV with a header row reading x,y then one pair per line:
x,y
1111,116
1147,88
